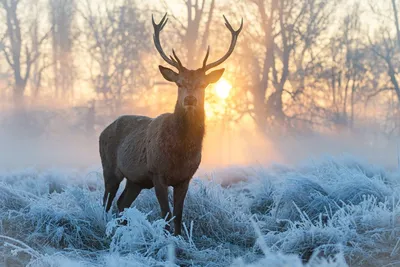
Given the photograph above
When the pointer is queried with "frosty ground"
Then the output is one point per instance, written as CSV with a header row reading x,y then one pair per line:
x,y
335,212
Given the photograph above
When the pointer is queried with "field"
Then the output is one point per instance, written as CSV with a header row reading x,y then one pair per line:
x,y
335,212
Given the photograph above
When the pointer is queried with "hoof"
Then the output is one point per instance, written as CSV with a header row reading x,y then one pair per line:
x,y
123,222
179,253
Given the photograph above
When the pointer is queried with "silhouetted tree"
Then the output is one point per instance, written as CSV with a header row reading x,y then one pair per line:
x,y
21,49
116,40
62,13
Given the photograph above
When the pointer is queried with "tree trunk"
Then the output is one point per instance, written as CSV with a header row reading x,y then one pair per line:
x,y
259,109
275,108
260,106
393,79
396,20
18,95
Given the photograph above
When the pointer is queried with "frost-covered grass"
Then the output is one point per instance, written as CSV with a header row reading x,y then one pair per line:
x,y
336,212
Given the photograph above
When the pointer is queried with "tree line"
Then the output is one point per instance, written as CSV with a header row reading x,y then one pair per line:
x,y
300,65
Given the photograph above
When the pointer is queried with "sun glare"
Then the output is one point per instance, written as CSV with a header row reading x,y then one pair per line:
x,y
222,88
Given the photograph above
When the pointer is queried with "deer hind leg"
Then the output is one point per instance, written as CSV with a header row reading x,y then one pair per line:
x,y
129,195
111,185
121,197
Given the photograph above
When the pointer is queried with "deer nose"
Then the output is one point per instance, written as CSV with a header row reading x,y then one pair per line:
x,y
190,101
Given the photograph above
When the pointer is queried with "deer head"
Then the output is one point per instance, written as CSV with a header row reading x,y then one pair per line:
x,y
191,83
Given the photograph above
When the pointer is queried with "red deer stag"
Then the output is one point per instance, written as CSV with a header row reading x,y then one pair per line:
x,y
162,151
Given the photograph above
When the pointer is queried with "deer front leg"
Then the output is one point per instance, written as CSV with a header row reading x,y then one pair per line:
x,y
179,198
162,196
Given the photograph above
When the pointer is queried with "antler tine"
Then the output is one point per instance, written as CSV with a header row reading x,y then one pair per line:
x,y
176,58
206,57
162,23
235,35
156,38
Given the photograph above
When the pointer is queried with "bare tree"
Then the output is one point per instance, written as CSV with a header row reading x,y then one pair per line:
x,y
288,32
115,44
342,78
386,48
267,18
21,51
62,13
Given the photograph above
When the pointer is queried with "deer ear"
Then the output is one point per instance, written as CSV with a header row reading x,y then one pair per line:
x,y
214,76
168,74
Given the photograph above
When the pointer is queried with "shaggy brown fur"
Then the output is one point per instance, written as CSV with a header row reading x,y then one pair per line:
x,y
162,151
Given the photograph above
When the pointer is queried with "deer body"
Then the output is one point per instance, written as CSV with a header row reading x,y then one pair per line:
x,y
136,147
162,151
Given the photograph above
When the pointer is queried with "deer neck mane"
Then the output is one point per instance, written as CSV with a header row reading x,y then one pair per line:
x,y
189,126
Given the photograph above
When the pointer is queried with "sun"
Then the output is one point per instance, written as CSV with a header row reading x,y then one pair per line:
x,y
222,88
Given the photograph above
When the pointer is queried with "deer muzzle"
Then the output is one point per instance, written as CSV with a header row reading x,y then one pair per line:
x,y
190,101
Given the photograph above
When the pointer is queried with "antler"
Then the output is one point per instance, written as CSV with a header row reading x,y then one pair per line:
x,y
173,61
235,35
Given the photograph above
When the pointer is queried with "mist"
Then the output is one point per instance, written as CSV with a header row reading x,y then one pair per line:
x,y
237,148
